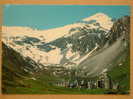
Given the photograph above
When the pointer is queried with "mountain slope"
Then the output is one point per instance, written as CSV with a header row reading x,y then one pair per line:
x,y
15,68
118,43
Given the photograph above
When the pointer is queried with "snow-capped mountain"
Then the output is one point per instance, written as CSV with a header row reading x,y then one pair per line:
x,y
70,43
101,19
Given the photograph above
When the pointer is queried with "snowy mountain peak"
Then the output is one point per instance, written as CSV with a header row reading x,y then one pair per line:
x,y
97,16
100,15
103,19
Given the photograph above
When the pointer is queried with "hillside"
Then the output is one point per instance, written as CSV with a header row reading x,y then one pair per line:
x,y
15,68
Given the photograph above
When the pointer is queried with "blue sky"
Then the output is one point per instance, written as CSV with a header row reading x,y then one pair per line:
x,y
51,16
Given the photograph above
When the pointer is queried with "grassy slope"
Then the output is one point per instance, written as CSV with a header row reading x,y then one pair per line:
x,y
12,69
43,86
121,75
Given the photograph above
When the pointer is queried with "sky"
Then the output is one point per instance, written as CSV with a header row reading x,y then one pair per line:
x,y
52,16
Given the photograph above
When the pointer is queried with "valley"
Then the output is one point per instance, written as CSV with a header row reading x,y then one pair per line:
x,y
88,57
